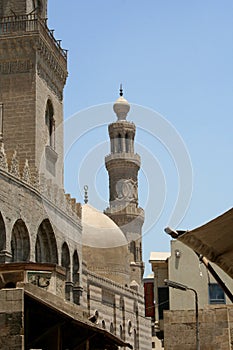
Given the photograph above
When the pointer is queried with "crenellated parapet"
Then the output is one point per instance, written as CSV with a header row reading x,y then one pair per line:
x,y
46,187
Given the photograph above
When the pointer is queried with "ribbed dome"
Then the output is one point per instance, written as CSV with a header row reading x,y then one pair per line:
x,y
105,248
99,231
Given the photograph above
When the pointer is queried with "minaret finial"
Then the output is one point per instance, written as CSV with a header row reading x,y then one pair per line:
x,y
121,90
85,194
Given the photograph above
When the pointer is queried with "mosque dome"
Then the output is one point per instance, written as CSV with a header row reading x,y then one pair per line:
x,y
105,248
99,231
121,107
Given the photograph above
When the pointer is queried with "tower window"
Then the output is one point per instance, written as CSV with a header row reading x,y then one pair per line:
x,y
119,143
50,122
127,143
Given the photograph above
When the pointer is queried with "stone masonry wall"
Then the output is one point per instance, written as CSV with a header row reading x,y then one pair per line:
x,y
121,307
32,205
11,319
215,325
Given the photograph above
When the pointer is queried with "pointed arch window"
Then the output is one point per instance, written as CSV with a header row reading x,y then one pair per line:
x,y
50,122
46,245
111,328
77,289
121,332
20,242
3,238
65,260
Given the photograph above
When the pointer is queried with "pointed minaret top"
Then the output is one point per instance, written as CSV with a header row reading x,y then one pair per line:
x,y
121,107
121,90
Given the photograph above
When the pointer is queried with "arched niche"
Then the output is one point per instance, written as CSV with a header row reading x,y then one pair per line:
x,y
121,332
20,242
77,289
111,328
76,267
2,234
65,260
46,245
122,308
50,122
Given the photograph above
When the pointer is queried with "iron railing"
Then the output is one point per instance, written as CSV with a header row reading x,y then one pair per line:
x,y
29,23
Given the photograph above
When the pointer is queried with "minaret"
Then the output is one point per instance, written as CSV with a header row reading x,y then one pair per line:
x,y
33,71
123,165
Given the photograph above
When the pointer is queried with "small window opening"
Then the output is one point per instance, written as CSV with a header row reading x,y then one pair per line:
x,y
50,122
119,143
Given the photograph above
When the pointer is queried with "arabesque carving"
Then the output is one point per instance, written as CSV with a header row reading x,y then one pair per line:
x,y
3,158
14,169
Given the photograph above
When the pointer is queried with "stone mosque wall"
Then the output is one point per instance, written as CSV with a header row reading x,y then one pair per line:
x,y
39,222
120,310
42,227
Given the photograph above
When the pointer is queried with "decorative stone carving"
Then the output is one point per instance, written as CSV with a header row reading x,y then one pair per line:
x,y
56,65
36,180
43,185
79,210
26,172
14,169
16,66
50,82
49,192
68,204
39,279
55,193
127,190
3,158
61,196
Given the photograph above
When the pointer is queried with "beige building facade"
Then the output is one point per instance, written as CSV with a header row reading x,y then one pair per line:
x,y
173,325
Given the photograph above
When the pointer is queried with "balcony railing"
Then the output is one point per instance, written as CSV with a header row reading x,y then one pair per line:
x,y
29,23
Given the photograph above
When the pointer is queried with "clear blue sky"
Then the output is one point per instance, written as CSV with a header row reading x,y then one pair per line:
x,y
174,58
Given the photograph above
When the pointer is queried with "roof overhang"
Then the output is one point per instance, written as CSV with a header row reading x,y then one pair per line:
x,y
49,317
214,240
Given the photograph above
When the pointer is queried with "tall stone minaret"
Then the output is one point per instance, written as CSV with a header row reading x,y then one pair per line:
x,y
33,71
123,165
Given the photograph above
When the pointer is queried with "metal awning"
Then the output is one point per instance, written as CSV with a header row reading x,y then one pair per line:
x,y
214,240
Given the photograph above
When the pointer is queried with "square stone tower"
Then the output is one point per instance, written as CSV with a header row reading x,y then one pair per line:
x,y
33,72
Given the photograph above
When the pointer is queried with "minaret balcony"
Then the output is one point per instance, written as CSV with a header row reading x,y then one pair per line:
x,y
28,24
130,210
124,157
